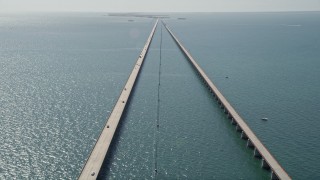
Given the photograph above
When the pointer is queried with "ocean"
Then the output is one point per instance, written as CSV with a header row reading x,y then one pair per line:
x,y
61,74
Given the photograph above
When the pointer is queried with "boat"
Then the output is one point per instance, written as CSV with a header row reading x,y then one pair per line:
x,y
264,119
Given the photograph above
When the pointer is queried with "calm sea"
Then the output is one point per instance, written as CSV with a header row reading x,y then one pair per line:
x,y
60,75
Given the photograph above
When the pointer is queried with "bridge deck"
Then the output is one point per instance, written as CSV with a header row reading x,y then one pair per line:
x,y
97,156
266,155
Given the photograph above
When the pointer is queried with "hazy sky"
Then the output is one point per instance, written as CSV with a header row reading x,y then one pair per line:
x,y
159,5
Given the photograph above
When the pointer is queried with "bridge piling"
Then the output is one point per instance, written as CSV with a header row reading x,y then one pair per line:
x,y
256,153
243,135
249,144
238,128
264,164
233,122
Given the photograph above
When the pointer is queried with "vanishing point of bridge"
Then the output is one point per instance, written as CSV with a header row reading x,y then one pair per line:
x,y
94,162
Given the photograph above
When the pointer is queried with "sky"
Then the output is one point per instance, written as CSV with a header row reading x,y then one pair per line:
x,y
159,5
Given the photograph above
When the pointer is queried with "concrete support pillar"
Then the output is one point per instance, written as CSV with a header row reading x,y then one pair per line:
x,y
249,144
233,122
226,111
274,176
238,128
243,135
229,116
256,153
264,164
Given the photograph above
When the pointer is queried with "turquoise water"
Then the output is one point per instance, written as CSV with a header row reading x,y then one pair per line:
x,y
272,61
60,75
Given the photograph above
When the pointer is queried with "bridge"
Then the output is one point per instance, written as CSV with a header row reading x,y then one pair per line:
x,y
268,161
98,154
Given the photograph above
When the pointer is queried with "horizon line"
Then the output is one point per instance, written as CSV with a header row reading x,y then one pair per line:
x,y
83,11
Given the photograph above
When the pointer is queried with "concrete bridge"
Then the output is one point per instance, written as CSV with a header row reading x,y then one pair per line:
x,y
100,150
98,154
268,161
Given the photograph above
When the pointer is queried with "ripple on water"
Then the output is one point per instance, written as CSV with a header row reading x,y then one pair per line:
x,y
54,98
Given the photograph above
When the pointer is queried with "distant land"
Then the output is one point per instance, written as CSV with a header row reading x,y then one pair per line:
x,y
139,15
